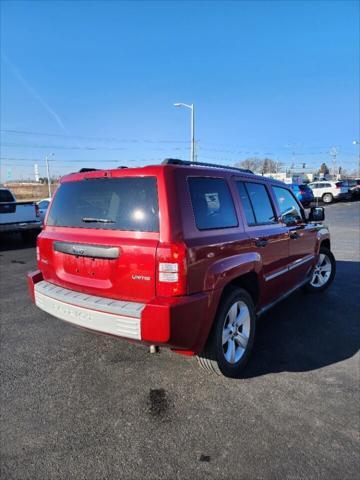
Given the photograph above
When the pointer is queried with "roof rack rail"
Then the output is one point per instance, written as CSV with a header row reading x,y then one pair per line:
x,y
122,166
176,161
83,170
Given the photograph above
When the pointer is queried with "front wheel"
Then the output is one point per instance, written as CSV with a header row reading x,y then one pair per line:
x,y
230,342
324,272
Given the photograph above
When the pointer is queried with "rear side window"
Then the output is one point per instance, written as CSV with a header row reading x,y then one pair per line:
x,y
212,203
6,196
256,203
128,203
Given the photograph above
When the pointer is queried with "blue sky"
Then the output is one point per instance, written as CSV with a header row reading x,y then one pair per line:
x,y
99,79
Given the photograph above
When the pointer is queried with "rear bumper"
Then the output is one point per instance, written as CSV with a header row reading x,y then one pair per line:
x,y
20,227
174,322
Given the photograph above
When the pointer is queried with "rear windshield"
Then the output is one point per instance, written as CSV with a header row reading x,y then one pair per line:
x,y
6,196
304,187
129,203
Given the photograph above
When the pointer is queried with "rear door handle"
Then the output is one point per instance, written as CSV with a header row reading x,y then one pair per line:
x,y
294,235
261,242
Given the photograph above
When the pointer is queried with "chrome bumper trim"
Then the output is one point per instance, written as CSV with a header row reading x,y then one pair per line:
x,y
104,315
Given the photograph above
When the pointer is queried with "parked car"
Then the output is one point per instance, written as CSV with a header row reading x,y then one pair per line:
x,y
353,187
303,193
180,255
16,216
43,206
328,191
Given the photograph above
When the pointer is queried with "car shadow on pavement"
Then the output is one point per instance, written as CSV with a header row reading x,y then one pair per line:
x,y
309,331
14,241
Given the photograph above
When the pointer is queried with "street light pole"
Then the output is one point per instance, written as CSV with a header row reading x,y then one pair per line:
x,y
192,108
192,133
357,142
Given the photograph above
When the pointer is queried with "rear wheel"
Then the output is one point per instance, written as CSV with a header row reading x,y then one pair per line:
x,y
324,272
230,342
327,198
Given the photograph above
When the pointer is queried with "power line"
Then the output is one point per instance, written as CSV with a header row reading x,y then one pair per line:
x,y
235,148
57,161
60,147
80,137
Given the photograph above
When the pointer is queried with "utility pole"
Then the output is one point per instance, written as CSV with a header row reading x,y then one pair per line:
x,y
48,173
334,152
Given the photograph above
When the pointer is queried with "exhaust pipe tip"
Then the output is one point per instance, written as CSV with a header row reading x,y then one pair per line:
x,y
154,349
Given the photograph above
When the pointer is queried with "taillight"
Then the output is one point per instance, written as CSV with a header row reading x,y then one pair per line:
x,y
171,269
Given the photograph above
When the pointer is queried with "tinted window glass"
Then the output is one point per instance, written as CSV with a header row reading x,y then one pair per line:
x,y
244,197
44,204
212,203
260,202
288,206
5,196
128,203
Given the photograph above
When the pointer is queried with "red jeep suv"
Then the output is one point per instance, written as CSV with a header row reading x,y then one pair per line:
x,y
184,255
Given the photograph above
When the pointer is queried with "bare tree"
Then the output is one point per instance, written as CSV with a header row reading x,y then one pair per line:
x,y
259,165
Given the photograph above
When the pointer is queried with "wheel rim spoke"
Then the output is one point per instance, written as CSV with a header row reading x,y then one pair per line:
x,y
230,353
226,335
326,268
242,316
233,313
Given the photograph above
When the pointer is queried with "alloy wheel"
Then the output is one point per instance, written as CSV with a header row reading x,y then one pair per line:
x,y
321,272
236,332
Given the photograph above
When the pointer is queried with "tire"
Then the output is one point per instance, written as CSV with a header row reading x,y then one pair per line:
x,y
320,281
327,198
229,358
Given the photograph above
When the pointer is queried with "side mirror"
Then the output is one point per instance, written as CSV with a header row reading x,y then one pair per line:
x,y
317,214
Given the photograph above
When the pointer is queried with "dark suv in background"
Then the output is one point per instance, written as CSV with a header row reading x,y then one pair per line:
x,y
180,255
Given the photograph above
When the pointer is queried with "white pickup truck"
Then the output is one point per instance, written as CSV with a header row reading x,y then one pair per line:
x,y
16,216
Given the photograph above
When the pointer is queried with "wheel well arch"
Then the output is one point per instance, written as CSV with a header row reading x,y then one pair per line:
x,y
249,282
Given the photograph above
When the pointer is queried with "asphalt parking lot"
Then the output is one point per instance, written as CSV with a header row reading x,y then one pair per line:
x,y
79,406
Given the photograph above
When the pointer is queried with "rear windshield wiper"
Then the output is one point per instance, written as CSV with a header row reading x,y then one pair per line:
x,y
96,220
